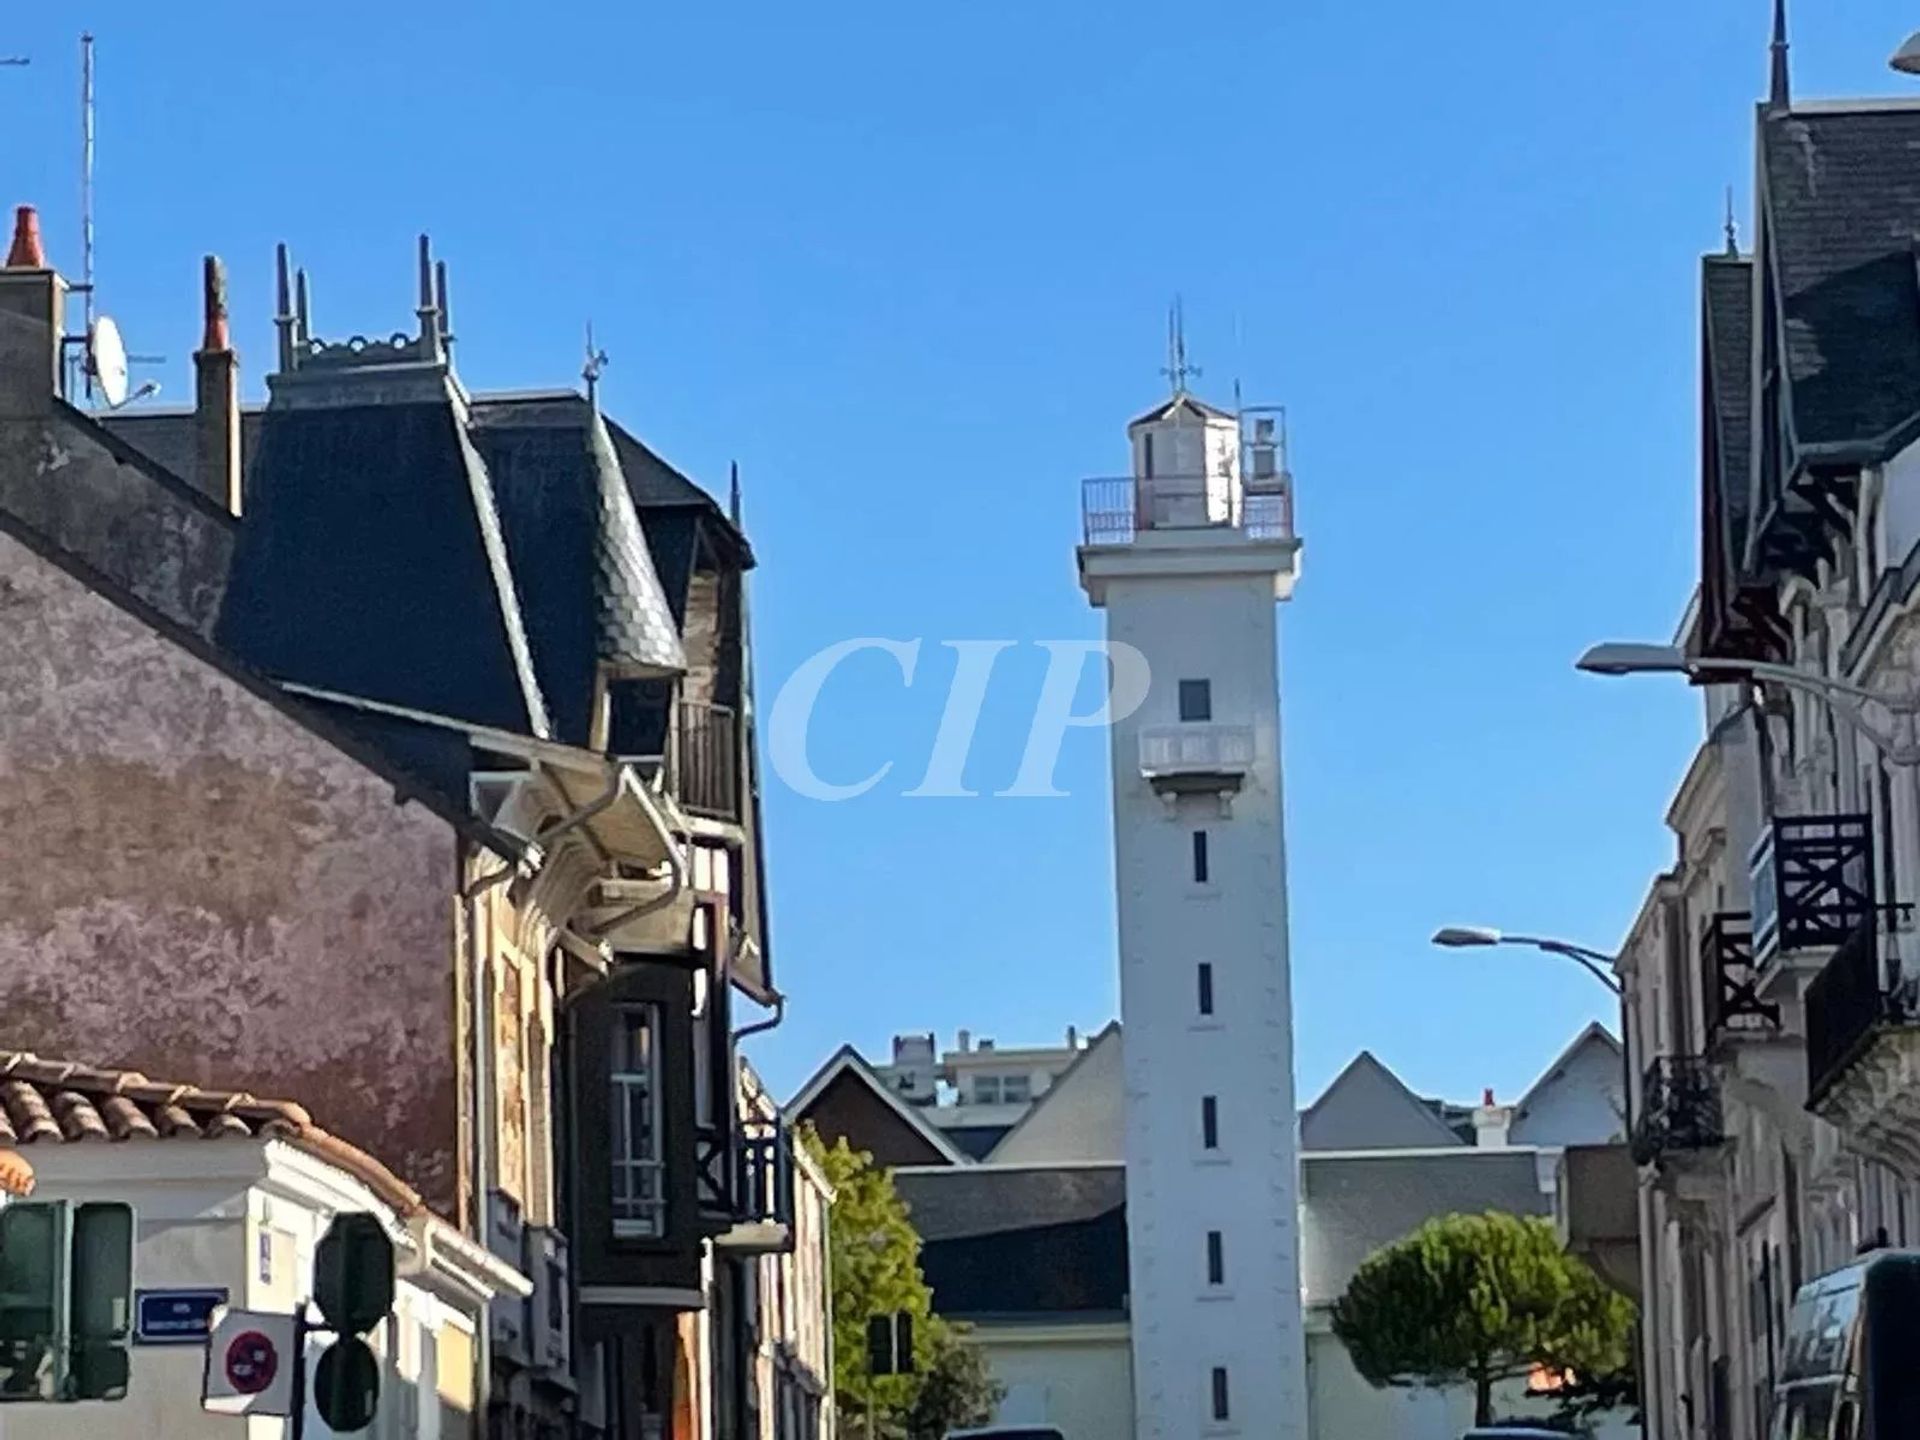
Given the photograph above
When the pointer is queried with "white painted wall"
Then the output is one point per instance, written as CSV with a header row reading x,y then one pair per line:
x,y
1581,1102
1078,1378
1206,610
1345,1407
203,1210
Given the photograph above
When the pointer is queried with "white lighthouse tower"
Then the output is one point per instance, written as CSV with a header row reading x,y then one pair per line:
x,y
1187,556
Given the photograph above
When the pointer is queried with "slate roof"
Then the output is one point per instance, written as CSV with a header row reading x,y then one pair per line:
x,y
1354,1204
586,581
1193,405
401,489
1014,1244
1726,289
1841,191
1368,1107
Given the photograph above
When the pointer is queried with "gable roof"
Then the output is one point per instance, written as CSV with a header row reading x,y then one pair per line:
x,y
847,1062
1368,1107
1070,1082
1595,1034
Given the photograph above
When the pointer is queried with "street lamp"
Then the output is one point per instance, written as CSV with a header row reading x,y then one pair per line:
x,y
1462,937
1466,937
1901,749
1907,58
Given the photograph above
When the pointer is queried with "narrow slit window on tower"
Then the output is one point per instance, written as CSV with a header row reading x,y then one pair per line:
x,y
1216,1258
1206,987
1146,455
1209,1123
1221,1409
1196,700
1199,857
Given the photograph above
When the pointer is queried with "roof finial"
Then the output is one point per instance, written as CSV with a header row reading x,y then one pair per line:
x,y
596,363
1177,369
428,310
1733,230
302,311
733,495
1779,92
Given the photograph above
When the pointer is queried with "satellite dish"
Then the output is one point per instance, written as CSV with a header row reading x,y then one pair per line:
x,y
107,361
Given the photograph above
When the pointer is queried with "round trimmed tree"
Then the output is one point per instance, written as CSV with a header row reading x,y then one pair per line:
x,y
1477,1299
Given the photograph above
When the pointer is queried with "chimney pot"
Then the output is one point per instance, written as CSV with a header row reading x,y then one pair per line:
x,y
27,253
1486,1096
214,300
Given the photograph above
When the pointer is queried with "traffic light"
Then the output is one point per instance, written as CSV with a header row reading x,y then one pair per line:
x,y
353,1287
66,1300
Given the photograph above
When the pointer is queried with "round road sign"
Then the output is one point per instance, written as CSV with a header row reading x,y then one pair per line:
x,y
251,1362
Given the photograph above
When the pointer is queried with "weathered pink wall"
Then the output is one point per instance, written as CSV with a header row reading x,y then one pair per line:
x,y
194,885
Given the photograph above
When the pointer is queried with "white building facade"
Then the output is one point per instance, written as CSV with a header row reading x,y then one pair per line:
x,y
1187,556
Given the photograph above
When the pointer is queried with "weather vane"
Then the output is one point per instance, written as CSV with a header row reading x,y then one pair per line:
x,y
596,364
1177,370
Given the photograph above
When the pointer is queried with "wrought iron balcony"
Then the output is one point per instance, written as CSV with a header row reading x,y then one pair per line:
x,y
1852,997
707,759
1679,1110
1729,979
1812,882
1119,510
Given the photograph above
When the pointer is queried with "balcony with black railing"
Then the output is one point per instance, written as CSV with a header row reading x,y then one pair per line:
x,y
1729,980
1812,883
745,1185
1680,1112
1854,998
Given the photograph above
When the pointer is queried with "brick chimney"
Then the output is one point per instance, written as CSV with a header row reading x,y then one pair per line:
x,y
216,395
32,313
1491,1122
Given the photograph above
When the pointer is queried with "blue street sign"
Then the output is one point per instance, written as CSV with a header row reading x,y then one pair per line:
x,y
175,1317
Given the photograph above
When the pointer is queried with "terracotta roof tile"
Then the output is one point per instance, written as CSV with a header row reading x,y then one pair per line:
x,y
57,1102
53,1101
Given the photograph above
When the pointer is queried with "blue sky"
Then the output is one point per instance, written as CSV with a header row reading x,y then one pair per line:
x,y
909,264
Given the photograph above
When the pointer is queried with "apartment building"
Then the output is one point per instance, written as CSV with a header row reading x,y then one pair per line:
x,y
1769,975
393,745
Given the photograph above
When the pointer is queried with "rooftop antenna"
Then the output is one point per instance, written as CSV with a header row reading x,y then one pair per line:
x,y
1177,369
1733,231
86,195
733,494
596,364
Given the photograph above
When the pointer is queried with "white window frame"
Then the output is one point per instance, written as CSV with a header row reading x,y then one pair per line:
x,y
637,1181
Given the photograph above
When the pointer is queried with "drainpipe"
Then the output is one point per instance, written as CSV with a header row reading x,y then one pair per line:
x,y
760,1027
480,1003
676,864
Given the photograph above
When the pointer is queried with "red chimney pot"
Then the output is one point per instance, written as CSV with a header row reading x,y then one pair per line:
x,y
27,252
1486,1097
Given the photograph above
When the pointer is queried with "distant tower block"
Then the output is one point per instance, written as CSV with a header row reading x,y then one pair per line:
x,y
1187,555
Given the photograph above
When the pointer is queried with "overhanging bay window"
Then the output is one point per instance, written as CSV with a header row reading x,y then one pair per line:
x,y
639,1189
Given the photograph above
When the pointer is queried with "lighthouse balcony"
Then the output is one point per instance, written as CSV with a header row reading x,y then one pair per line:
x,y
1196,757
1124,509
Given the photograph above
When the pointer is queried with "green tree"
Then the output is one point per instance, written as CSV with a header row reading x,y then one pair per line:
x,y
876,1271
957,1389
1477,1299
